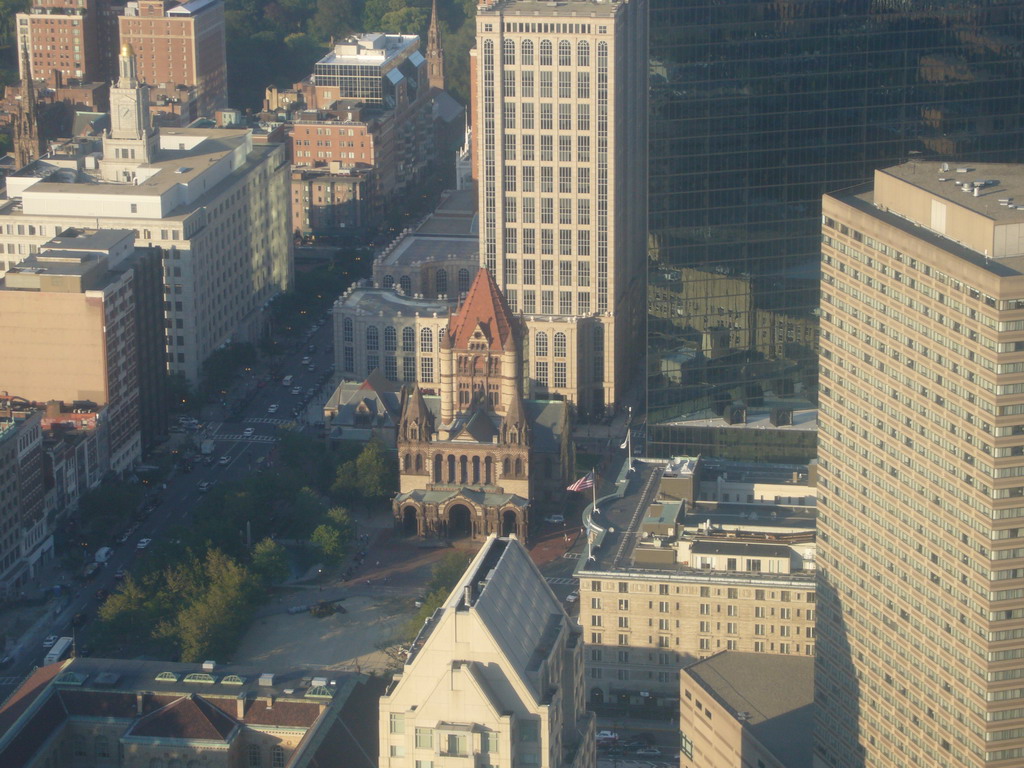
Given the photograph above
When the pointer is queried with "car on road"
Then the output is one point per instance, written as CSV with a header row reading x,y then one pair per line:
x,y
272,408
307,360
123,537
205,486
49,641
310,391
224,460
120,573
572,597
296,390
248,432
143,543
606,735
312,367
556,519
648,752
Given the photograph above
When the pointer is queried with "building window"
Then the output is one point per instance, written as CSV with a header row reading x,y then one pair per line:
x,y
372,338
540,344
255,756
424,738
456,745
489,741
426,340
408,339
397,723
427,370
102,746
560,375
277,756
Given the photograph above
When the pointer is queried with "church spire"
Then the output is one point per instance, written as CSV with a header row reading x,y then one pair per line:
x,y
28,144
435,53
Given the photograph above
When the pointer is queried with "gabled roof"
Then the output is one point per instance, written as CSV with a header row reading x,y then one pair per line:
x,y
484,307
479,427
190,717
415,409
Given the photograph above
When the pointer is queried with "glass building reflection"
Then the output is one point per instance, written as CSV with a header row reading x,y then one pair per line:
x,y
757,109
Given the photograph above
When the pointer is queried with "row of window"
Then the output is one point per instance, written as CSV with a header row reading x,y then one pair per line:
x,y
546,51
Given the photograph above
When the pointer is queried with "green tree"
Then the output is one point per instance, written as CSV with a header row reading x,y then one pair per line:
x,y
342,520
270,561
346,481
447,571
327,539
333,18
376,471
126,613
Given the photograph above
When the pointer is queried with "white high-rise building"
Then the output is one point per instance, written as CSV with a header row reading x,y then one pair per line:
x,y
560,133
215,203
495,676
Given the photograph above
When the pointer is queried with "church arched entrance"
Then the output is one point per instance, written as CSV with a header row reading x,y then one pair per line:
x,y
459,521
509,522
410,525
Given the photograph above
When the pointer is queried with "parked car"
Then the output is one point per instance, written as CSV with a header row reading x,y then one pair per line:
x,y
648,752
120,573
143,543
605,735
224,460
572,597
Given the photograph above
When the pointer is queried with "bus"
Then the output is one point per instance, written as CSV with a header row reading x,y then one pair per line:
x,y
59,650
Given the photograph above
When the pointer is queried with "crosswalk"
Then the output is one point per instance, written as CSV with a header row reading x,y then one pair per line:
x,y
560,581
250,439
266,420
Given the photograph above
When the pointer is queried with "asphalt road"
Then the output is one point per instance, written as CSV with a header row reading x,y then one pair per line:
x,y
183,493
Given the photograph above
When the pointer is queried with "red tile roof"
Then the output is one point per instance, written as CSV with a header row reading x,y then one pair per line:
x,y
190,717
23,696
294,714
484,305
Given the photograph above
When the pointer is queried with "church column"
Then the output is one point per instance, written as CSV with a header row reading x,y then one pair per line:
x,y
509,375
447,381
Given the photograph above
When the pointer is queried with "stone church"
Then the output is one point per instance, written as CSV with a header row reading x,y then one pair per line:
x,y
479,458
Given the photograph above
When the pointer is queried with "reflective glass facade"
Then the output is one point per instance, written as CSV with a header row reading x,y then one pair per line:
x,y
757,109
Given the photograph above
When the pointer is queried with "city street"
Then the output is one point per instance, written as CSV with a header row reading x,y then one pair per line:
x,y
240,443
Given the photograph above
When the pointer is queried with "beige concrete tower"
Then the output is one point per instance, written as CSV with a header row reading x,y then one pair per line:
x,y
560,132
921,450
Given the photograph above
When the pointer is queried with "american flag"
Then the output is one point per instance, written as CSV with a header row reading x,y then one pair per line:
x,y
585,482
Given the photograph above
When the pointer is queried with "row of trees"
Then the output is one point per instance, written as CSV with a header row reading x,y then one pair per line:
x,y
195,591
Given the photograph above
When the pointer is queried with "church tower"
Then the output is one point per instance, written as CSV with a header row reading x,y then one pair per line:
x,y
132,140
435,53
28,144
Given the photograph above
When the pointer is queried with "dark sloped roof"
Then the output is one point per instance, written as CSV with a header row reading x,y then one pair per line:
x,y
190,717
28,740
480,427
282,713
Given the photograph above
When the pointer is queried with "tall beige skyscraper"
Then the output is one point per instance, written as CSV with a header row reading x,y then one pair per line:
x,y
921,481
560,136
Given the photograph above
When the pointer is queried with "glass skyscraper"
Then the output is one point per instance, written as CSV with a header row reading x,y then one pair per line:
x,y
757,109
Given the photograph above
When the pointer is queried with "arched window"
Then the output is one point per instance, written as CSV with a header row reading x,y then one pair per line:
x,y
255,756
541,344
408,339
559,344
441,281
527,53
426,340
545,53
277,756
463,280
583,53
390,339
389,281
508,53
506,468
406,462
405,284
419,462
372,338
519,467
565,54
347,329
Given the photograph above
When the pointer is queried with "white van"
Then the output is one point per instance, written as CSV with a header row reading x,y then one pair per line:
x,y
103,554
